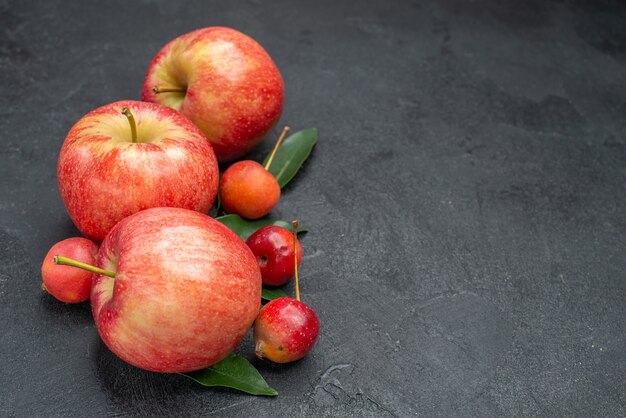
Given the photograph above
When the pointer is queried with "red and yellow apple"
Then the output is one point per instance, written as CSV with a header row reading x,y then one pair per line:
x,y
222,80
185,292
112,165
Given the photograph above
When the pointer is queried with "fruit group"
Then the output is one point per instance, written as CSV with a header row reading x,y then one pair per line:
x,y
273,248
185,292
224,81
248,190
285,330
112,165
69,284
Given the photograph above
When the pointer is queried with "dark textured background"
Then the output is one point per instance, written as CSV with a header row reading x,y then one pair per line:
x,y
466,202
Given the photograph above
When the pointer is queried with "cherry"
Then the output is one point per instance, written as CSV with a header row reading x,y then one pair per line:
x,y
65,283
273,247
249,189
286,328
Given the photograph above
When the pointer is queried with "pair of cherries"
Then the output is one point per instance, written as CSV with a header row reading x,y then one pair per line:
x,y
286,328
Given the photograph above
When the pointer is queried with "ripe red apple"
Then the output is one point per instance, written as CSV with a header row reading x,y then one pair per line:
x,y
285,330
114,164
249,190
274,250
222,80
69,284
185,292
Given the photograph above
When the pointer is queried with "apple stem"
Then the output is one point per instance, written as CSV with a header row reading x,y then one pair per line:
x,y
158,90
131,120
280,139
64,261
294,224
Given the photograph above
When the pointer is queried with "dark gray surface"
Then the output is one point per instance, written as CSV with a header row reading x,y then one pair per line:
x,y
466,201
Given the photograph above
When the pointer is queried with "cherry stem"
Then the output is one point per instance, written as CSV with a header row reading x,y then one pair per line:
x,y
64,261
294,224
158,90
131,120
280,139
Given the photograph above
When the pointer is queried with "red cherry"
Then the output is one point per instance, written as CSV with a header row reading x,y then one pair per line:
x,y
249,190
285,330
273,248
69,284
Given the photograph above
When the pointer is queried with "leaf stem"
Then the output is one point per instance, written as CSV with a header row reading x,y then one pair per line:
x,y
294,224
280,139
64,261
158,90
131,120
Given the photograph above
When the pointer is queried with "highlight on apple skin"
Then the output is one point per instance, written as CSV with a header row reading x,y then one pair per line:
x,y
185,292
114,164
222,80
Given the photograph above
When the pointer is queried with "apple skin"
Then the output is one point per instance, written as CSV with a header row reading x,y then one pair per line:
x,y
273,248
103,177
186,291
233,90
285,330
65,283
248,190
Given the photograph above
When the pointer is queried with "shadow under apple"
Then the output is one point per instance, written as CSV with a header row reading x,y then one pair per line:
x,y
136,391
139,392
61,314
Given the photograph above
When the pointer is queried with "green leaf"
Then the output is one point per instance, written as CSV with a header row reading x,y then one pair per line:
x,y
233,372
291,154
245,228
217,203
215,209
271,294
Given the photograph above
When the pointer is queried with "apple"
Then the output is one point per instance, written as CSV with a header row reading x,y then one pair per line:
x,y
185,290
222,80
128,156
65,283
